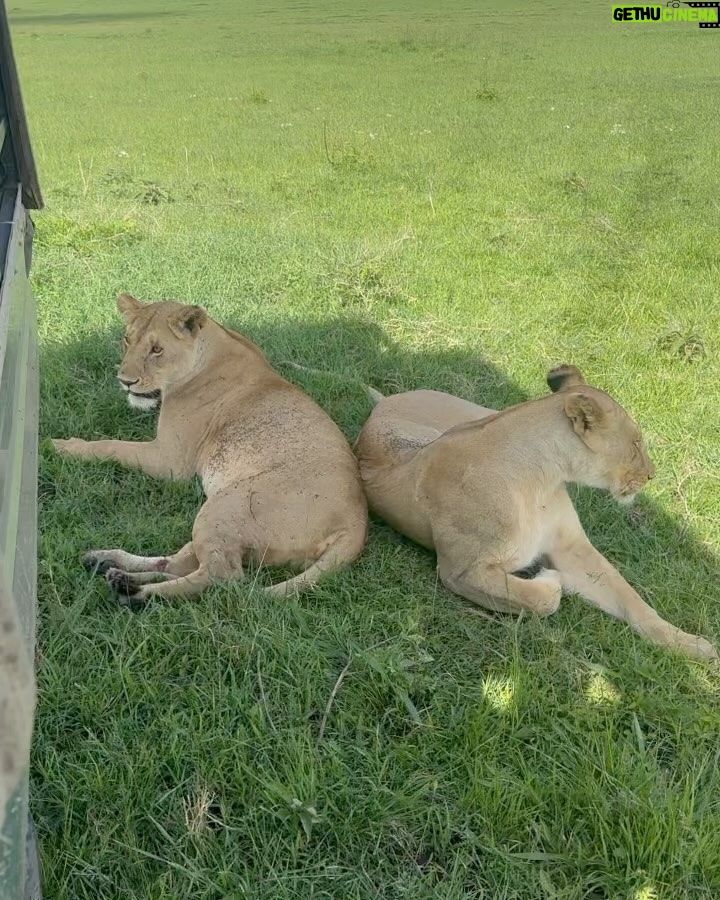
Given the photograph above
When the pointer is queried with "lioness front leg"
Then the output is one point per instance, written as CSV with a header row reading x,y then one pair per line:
x,y
586,572
149,456
491,587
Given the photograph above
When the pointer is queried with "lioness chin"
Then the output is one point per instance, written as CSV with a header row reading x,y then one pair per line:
x,y
281,482
487,492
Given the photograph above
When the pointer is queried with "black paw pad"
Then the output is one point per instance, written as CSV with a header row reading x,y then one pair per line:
x,y
95,564
128,591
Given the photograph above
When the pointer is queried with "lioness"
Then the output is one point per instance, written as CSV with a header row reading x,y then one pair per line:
x,y
486,491
281,482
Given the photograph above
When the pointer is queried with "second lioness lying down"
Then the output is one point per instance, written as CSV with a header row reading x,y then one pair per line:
x,y
486,491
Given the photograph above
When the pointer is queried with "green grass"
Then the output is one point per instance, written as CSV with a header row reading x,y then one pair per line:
x,y
413,194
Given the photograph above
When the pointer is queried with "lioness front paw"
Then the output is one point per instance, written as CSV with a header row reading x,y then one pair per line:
x,y
551,576
69,447
698,647
549,603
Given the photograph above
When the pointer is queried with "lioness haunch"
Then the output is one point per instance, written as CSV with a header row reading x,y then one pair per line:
x,y
282,484
486,491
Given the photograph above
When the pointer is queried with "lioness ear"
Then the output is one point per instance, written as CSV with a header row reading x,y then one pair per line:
x,y
562,377
189,320
584,412
127,304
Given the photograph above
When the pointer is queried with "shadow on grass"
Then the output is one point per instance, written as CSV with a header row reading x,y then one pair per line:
x,y
89,18
658,713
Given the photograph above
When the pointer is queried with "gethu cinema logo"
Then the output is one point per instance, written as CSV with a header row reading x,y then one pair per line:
x,y
707,15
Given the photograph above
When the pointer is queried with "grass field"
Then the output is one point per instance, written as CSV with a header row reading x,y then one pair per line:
x,y
410,193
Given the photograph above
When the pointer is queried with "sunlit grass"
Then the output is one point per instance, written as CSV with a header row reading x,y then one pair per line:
x,y
417,194
600,690
499,692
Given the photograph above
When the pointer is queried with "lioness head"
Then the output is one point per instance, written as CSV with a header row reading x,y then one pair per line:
x,y
160,347
618,461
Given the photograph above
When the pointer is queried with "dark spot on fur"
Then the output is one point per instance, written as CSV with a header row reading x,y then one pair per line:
x,y
400,442
162,565
532,570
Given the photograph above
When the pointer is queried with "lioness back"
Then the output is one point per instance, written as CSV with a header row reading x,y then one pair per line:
x,y
279,431
387,448
403,423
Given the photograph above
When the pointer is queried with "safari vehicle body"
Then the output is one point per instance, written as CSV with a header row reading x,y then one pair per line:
x,y
19,192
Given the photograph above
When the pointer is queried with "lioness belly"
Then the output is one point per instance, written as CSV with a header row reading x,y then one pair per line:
x,y
391,496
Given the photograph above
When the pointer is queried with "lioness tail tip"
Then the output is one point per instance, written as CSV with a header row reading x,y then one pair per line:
x,y
375,396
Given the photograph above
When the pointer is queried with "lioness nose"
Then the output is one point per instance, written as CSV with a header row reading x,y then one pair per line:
x,y
128,382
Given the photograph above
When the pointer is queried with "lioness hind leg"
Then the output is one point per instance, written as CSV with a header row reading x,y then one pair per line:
x,y
140,577
181,563
341,549
132,592
122,582
497,590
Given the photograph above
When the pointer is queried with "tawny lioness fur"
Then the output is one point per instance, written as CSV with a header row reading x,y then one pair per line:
x,y
486,491
281,482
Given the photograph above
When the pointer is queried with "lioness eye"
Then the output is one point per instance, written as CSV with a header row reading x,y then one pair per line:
x,y
155,350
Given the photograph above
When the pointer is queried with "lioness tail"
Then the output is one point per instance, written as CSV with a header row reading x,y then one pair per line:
x,y
374,395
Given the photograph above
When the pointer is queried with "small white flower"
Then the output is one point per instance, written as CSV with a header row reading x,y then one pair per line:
x,y
372,135
122,154
618,129
286,124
